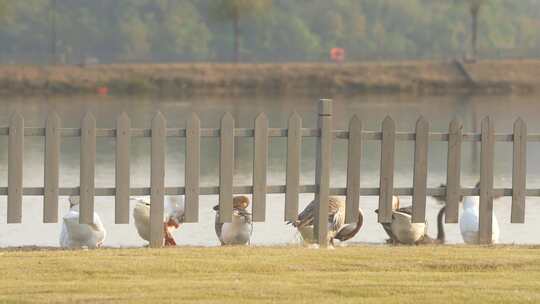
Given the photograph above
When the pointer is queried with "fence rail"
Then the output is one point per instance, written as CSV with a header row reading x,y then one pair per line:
x,y
275,132
355,135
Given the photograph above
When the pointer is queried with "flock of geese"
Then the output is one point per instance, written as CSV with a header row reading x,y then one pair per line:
x,y
401,230
76,235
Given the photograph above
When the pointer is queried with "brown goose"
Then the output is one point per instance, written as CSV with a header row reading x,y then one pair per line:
x,y
336,219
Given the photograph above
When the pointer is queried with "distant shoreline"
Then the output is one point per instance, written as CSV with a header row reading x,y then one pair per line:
x,y
306,79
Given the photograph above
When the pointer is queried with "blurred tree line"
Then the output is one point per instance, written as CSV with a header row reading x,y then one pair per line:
x,y
264,30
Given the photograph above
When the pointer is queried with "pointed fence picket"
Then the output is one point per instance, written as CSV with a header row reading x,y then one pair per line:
x,y
262,134
386,187
420,171
354,156
260,163
52,169
157,180
519,174
123,140
88,164
294,144
226,168
15,169
487,153
453,172
192,168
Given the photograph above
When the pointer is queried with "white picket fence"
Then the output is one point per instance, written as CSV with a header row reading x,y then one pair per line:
x,y
294,132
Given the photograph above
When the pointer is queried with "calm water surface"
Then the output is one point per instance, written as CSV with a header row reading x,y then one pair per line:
x,y
371,109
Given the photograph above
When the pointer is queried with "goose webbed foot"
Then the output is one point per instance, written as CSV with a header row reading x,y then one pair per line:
x,y
169,240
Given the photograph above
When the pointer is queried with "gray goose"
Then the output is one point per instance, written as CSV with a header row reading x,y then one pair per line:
x,y
336,220
348,231
237,232
402,231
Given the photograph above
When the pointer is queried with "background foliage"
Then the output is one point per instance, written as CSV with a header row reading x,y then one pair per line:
x,y
282,30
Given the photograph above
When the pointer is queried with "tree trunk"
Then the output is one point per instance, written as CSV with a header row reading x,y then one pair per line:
x,y
474,30
54,56
236,29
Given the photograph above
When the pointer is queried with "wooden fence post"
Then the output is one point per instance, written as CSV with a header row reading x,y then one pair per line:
x,y
88,165
157,180
519,172
123,139
226,168
387,170
453,172
52,169
260,160
486,181
420,171
294,147
15,169
323,171
192,168
354,157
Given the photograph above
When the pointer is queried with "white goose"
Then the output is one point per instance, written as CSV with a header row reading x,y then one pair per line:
x,y
75,235
469,222
172,218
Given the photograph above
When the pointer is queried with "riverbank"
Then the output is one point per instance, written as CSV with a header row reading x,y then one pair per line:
x,y
357,274
309,79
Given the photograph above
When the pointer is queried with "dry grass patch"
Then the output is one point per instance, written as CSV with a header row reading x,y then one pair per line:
x,y
311,79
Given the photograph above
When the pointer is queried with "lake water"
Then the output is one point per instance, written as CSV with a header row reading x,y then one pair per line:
x,y
371,109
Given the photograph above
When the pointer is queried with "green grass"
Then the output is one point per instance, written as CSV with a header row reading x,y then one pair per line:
x,y
359,274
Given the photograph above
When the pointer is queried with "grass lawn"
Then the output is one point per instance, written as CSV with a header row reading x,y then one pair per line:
x,y
357,274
